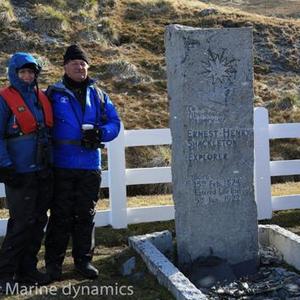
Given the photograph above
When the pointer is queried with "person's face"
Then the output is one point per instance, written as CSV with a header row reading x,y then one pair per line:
x,y
27,75
77,69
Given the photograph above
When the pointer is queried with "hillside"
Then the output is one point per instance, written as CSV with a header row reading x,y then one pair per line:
x,y
124,39
275,8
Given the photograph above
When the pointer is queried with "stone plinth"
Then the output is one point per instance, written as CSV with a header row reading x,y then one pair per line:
x,y
210,87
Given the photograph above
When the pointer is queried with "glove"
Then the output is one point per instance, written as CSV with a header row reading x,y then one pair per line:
x,y
9,176
91,138
92,135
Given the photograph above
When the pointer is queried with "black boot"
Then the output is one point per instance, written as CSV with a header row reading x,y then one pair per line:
x,y
86,269
54,271
33,277
8,285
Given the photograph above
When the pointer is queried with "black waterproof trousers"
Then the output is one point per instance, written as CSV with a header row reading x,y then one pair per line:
x,y
72,214
28,204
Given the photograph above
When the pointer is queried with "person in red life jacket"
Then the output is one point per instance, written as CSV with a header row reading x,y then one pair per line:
x,y
84,117
25,169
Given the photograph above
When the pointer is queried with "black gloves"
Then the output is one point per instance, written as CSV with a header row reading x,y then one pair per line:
x,y
91,138
9,176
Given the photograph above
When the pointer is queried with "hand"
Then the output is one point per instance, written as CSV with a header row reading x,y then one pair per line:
x,y
92,135
91,138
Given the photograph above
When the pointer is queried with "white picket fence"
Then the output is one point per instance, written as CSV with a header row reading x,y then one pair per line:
x,y
118,177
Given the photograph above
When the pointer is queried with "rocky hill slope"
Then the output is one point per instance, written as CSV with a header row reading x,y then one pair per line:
x,y
124,39
273,8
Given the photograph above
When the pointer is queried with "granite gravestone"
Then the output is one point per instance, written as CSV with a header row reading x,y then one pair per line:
x,y
210,87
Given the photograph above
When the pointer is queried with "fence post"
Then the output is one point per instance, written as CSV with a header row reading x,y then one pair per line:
x,y
262,175
117,181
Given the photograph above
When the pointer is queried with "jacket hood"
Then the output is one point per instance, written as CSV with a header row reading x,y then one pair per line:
x,y
18,60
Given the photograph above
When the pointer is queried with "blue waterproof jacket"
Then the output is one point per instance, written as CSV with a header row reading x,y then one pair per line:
x,y
20,151
68,120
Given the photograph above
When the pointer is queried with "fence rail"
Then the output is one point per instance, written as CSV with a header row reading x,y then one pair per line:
x,y
118,177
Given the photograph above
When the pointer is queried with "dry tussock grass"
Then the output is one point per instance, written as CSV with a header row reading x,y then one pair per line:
x,y
279,189
6,13
288,188
278,8
132,31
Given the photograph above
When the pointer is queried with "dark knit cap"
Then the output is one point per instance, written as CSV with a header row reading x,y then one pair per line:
x,y
75,52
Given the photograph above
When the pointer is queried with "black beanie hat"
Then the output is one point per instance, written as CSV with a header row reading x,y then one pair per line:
x,y
75,52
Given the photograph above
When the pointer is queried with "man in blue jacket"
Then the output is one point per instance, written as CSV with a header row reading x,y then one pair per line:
x,y
25,158
84,117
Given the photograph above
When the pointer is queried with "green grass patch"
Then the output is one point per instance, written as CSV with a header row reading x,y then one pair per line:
x,y
289,219
112,251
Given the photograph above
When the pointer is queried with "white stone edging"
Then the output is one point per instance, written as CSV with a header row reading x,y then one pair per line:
x,y
166,273
169,276
285,241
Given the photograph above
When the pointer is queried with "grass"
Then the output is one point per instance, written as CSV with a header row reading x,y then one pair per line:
x,y
289,219
6,12
112,251
49,12
145,105
137,201
87,4
288,188
135,29
279,8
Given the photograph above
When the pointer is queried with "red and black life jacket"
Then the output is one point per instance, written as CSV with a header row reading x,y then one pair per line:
x,y
23,114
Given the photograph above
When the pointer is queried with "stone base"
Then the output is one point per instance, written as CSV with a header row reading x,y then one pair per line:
x,y
209,271
178,284
245,268
206,272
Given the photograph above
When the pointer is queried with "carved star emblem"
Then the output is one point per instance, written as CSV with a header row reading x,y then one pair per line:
x,y
219,67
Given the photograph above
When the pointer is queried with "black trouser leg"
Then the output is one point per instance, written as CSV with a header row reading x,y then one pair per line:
x,y
44,197
72,211
60,221
84,211
22,226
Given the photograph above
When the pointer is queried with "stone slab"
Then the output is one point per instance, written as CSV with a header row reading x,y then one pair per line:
x,y
128,266
162,240
210,88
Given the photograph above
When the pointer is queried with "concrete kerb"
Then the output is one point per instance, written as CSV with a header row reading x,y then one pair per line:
x,y
159,265
286,242
151,246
